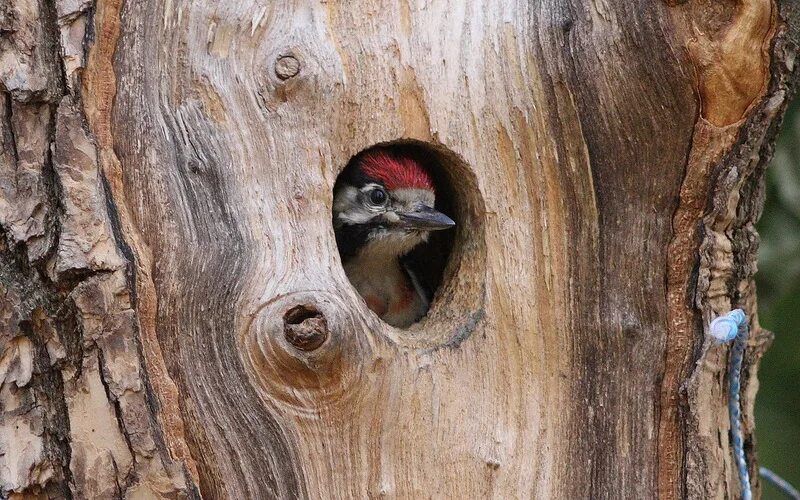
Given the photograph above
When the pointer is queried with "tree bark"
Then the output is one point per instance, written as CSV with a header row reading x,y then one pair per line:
x,y
165,200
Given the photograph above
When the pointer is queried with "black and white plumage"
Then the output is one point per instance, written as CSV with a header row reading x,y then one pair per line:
x,y
382,210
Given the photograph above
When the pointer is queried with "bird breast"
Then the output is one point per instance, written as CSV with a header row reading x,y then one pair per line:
x,y
387,289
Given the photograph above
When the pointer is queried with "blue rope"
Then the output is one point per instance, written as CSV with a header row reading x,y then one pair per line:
x,y
733,326
728,327
779,483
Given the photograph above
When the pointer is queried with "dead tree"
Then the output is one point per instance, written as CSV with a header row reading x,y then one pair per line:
x,y
174,317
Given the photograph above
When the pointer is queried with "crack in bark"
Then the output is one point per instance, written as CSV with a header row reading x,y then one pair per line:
x,y
663,374
130,476
10,125
53,35
149,392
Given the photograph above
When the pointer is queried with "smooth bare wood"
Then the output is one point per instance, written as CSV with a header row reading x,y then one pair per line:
x,y
165,202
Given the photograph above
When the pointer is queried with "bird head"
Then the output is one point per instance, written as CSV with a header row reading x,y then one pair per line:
x,y
385,202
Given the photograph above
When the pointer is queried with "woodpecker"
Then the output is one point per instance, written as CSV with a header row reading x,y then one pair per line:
x,y
382,209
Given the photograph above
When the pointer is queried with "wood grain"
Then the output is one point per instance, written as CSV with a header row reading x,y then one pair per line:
x,y
602,160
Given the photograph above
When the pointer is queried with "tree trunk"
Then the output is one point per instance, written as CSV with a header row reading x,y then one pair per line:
x,y
165,199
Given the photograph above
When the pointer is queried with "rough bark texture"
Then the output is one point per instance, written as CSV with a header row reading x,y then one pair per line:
x,y
165,192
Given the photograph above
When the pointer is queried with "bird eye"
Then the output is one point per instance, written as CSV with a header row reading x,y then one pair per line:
x,y
377,196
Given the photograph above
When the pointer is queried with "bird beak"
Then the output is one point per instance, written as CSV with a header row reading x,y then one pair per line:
x,y
425,218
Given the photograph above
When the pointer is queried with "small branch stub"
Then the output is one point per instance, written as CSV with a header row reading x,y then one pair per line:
x,y
305,327
287,67
303,353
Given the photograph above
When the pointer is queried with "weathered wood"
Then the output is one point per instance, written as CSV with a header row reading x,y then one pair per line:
x,y
175,317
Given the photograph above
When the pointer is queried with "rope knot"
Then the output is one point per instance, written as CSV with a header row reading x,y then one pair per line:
x,y
726,327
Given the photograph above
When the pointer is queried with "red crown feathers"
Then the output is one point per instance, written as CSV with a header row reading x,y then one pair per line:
x,y
394,171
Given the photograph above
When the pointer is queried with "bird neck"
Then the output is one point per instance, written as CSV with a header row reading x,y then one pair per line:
x,y
376,272
381,253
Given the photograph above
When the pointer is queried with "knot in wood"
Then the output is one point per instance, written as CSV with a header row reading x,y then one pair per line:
x,y
305,327
286,67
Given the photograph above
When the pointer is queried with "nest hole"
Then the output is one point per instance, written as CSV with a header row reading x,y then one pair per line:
x,y
450,265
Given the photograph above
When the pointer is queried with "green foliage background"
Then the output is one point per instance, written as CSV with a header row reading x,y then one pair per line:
x,y
778,281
